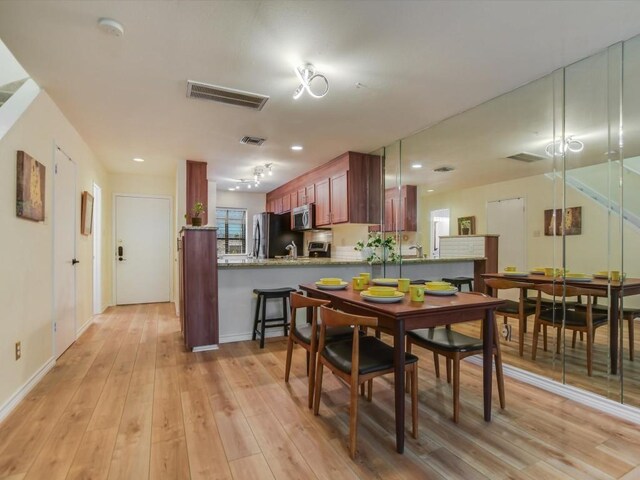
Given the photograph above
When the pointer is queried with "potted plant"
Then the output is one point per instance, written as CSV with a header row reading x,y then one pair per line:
x,y
198,209
377,248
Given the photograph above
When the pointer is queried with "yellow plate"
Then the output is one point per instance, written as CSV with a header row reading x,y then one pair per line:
x,y
391,282
382,291
330,281
397,297
438,285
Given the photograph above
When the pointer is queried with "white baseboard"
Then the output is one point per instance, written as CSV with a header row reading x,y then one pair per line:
x,y
204,348
84,327
598,402
22,392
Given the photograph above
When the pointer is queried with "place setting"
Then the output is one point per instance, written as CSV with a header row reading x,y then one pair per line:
x,y
512,272
331,284
440,288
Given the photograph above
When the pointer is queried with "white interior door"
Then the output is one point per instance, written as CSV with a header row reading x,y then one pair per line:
x,y
439,228
143,249
507,219
64,252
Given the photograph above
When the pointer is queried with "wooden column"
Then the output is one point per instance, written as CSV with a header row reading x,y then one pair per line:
x,y
197,188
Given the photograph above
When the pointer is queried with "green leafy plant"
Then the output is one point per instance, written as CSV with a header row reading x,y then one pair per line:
x,y
198,209
376,245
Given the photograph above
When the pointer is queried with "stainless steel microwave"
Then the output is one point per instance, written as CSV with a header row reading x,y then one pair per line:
x,y
302,218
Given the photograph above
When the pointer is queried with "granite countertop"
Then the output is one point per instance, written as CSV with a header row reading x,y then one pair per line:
x,y
241,262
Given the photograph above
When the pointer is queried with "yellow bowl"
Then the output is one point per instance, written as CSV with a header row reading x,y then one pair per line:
x,y
331,281
382,291
438,285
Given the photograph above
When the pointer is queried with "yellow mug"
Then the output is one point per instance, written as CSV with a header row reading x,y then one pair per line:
x,y
365,277
357,283
403,284
615,275
417,293
549,272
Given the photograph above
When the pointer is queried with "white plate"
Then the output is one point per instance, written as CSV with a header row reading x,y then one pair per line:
x,y
398,296
323,286
389,282
516,274
442,293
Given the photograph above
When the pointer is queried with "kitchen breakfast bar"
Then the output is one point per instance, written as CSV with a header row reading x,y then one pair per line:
x,y
238,277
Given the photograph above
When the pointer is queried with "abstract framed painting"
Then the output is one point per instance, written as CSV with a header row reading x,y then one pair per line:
x,y
30,193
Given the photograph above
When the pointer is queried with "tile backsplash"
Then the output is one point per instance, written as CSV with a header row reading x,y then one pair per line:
x,y
461,246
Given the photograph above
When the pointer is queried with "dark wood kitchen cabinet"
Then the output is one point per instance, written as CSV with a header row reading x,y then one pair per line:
x,y
400,209
198,259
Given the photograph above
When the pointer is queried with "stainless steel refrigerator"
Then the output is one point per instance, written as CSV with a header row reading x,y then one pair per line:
x,y
272,233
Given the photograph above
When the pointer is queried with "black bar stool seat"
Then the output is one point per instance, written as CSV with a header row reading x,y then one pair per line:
x,y
460,281
265,294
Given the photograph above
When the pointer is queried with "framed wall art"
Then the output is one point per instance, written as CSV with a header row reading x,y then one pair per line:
x,y
555,223
86,214
466,225
30,193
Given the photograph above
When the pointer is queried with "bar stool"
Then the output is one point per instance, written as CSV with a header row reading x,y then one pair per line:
x,y
460,281
265,294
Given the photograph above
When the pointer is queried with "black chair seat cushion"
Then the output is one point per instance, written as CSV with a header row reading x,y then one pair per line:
x,y
513,308
626,311
573,318
375,355
445,339
274,292
303,332
547,302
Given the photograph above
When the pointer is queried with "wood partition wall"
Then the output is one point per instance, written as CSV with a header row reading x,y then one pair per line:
x,y
197,188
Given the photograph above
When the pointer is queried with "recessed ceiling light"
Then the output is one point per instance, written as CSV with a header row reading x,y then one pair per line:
x,y
296,147
138,159
232,189
111,26
430,190
416,165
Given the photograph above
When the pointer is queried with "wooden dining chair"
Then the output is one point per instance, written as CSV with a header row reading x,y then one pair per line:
x,y
358,361
512,309
568,316
455,346
306,335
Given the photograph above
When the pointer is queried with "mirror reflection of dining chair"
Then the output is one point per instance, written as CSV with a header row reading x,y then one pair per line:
x,y
358,361
512,309
577,319
455,346
626,313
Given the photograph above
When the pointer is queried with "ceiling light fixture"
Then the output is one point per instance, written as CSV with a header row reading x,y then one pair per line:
x,y
269,169
138,159
306,75
559,147
111,27
430,190
416,165
297,148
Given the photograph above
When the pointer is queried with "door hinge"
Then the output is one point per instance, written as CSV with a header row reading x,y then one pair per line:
x,y
55,327
55,168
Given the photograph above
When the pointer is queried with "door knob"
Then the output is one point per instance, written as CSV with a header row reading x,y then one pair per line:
x,y
74,261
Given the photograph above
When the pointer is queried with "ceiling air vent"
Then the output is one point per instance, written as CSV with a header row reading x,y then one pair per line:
x,y
256,141
443,169
526,157
225,95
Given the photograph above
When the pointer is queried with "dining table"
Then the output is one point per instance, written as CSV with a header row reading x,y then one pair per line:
x,y
434,311
605,286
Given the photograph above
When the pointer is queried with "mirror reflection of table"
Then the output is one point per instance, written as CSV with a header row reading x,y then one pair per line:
x,y
629,286
397,318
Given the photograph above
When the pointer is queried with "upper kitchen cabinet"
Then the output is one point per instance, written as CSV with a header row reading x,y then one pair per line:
x,y
400,209
344,190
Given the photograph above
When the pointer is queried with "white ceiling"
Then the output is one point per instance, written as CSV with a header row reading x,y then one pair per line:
x,y
418,62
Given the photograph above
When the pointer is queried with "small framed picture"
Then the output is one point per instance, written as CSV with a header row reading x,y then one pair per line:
x,y
466,225
86,214
30,188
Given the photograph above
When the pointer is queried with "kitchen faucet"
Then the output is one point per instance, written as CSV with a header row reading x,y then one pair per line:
x,y
418,248
293,250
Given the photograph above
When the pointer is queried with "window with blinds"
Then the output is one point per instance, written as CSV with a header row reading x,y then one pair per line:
x,y
232,230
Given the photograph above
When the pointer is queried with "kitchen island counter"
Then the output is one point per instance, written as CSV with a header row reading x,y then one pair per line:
x,y
237,279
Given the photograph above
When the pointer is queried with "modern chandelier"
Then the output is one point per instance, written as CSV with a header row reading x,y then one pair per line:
x,y
307,75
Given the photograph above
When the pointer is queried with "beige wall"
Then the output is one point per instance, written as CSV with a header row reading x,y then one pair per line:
x,y
26,283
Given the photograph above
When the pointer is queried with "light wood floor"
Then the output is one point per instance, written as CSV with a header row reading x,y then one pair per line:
x,y
127,401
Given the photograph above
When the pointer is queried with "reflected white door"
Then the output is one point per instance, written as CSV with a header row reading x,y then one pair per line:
x,y
507,219
97,249
143,249
64,252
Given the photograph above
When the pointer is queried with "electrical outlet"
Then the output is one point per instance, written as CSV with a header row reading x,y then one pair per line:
x,y
18,350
